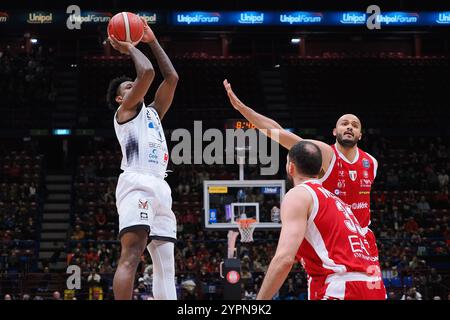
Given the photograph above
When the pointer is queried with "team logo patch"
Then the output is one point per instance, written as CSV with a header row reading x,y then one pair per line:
x,y
144,216
366,163
366,175
353,175
166,157
143,204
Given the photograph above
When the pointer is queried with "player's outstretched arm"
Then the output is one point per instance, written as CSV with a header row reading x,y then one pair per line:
x,y
144,74
273,130
294,215
165,93
269,127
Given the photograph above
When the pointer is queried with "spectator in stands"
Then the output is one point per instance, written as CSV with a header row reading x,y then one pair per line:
x,y
92,256
423,205
392,295
100,218
13,262
435,281
105,266
411,226
78,234
412,294
7,297
46,278
188,290
443,180
56,295
95,289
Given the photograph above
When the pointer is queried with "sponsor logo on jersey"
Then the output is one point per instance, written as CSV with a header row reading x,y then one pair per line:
x,y
364,192
366,163
155,145
166,157
365,175
353,175
358,247
341,173
144,216
366,183
143,204
337,192
360,205
153,156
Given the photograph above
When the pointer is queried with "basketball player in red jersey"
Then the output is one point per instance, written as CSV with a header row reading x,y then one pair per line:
x,y
347,171
320,230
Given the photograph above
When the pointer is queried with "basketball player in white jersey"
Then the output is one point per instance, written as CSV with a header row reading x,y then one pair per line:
x,y
143,197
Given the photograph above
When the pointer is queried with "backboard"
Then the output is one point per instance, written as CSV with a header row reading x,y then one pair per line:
x,y
226,201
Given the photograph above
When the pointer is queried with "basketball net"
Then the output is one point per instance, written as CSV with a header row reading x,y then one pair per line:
x,y
246,228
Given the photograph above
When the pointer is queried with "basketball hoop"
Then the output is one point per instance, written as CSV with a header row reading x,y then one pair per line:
x,y
246,228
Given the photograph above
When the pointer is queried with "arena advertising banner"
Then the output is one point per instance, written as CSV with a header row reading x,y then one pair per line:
x,y
437,18
293,18
151,17
92,17
75,17
244,18
40,17
4,17
198,18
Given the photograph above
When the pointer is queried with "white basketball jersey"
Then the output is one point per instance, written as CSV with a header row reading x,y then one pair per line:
x,y
143,144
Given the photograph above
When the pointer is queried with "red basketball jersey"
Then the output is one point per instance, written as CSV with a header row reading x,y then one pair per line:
x,y
352,181
334,241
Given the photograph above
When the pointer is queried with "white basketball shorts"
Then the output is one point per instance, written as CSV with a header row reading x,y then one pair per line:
x,y
145,201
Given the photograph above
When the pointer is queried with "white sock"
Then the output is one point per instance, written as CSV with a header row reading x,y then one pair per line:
x,y
162,253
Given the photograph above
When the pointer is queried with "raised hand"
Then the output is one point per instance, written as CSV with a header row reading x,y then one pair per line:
x,y
237,104
149,36
121,46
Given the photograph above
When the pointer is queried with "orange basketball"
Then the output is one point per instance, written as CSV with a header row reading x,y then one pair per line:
x,y
126,26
